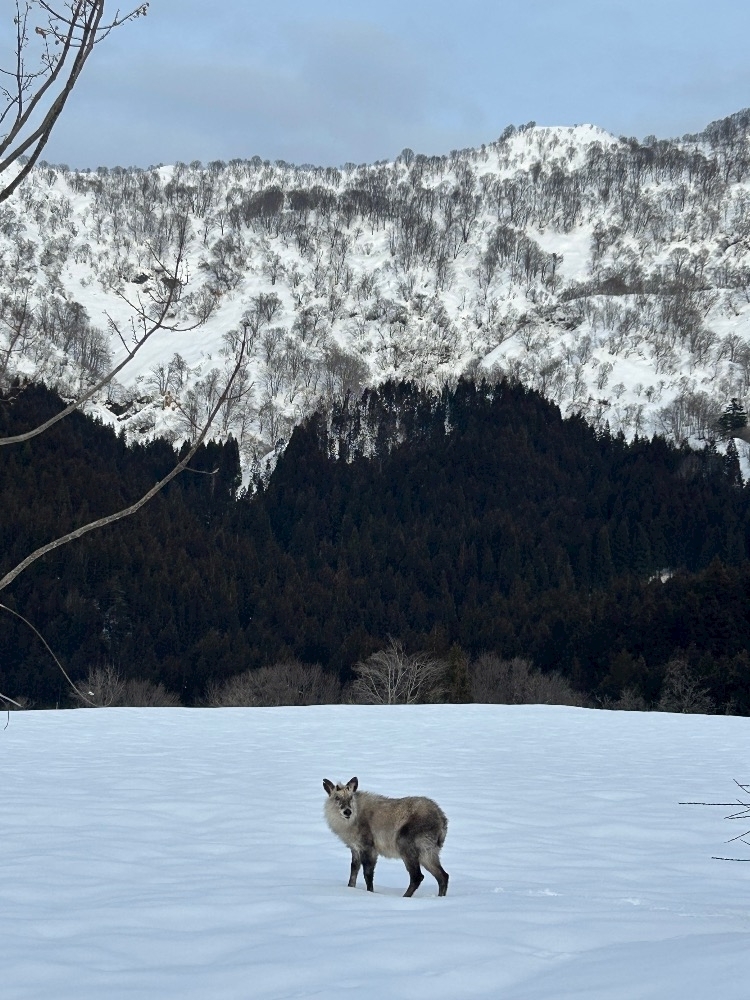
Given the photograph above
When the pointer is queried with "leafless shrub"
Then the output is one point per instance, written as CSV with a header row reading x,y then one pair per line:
x,y
683,691
630,700
390,677
139,693
105,688
516,682
287,683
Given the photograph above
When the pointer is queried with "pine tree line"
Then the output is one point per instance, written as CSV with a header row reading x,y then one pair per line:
x,y
477,520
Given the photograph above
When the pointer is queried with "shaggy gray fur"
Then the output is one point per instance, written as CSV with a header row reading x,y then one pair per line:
x,y
411,828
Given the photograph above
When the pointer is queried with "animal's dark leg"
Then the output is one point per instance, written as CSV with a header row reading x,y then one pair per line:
x,y
356,864
411,860
433,866
369,860
410,856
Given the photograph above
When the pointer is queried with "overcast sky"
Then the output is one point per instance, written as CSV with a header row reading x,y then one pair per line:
x,y
329,81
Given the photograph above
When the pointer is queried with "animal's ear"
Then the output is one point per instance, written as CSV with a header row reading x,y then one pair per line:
x,y
352,784
328,785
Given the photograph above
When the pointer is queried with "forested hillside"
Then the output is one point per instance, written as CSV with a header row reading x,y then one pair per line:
x,y
610,274
477,518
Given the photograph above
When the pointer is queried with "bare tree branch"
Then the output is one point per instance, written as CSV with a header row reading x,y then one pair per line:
x,y
60,38
742,813
144,324
39,635
101,522
5,697
60,35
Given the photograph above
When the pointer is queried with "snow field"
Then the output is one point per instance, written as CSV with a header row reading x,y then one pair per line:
x,y
182,853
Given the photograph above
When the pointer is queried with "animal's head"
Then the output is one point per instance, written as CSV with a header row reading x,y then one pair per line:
x,y
341,798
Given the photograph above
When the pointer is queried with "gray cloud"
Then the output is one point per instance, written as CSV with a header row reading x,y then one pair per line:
x,y
334,92
351,81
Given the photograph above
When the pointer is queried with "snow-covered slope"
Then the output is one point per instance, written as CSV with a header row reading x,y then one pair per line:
x,y
183,854
612,275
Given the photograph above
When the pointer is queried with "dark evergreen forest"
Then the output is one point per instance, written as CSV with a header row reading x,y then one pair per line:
x,y
479,518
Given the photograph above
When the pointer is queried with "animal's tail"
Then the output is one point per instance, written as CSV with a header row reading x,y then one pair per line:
x,y
443,830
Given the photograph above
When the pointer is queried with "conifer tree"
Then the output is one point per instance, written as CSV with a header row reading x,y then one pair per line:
x,y
733,419
731,464
457,676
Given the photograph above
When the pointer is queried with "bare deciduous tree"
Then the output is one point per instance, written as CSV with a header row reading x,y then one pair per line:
x,y
391,677
103,687
16,328
53,40
683,691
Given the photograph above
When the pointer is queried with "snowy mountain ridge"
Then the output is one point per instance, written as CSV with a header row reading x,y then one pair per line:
x,y
612,275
